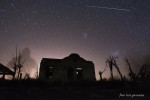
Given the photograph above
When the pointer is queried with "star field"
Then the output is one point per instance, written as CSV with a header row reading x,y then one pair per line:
x,y
96,29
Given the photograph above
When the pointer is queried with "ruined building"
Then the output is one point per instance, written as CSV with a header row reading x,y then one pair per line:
x,y
5,71
71,68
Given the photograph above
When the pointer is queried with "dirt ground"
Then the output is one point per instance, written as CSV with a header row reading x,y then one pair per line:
x,y
57,93
33,90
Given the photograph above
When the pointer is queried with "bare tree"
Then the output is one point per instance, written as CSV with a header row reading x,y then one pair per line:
x,y
112,62
101,72
17,63
109,61
15,59
116,66
142,72
20,65
132,75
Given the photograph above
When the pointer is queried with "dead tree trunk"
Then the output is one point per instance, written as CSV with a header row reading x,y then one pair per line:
x,y
109,61
116,66
15,62
111,71
19,71
15,69
112,62
101,72
131,73
142,72
18,63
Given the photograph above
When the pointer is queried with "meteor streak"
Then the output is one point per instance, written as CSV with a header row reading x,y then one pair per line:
x,y
109,8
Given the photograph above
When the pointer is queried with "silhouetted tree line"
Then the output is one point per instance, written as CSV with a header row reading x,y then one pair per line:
x,y
17,64
133,77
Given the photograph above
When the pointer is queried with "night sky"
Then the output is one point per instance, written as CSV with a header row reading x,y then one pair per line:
x,y
95,29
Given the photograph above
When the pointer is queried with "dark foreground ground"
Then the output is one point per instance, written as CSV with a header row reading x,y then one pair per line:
x,y
37,90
